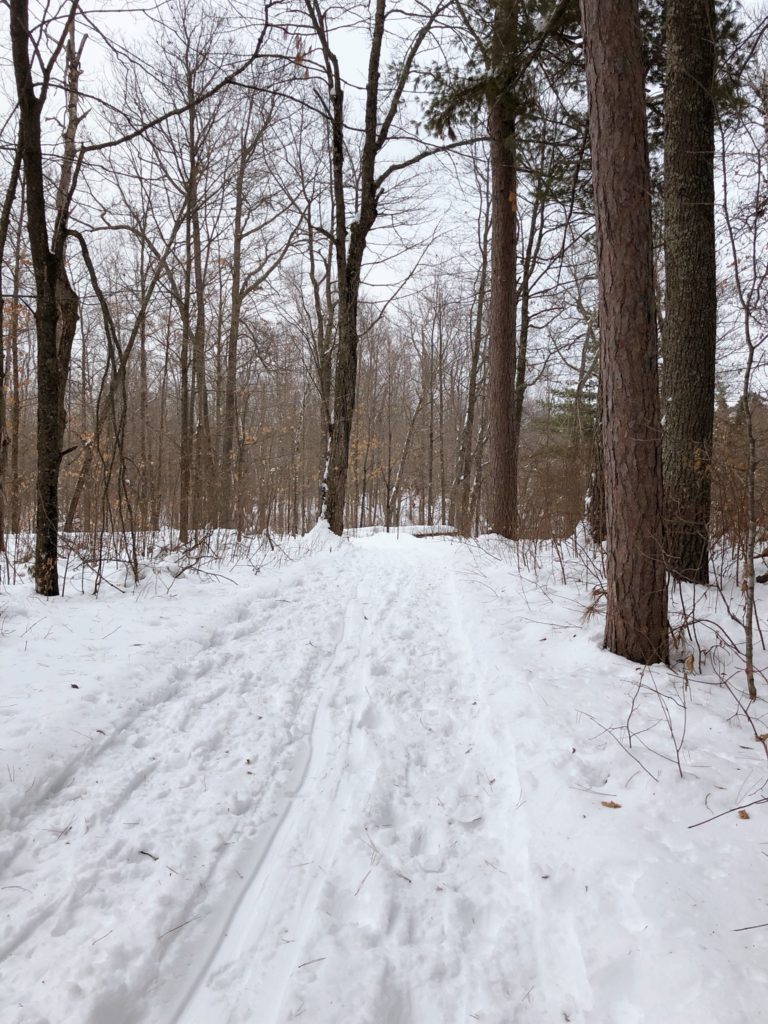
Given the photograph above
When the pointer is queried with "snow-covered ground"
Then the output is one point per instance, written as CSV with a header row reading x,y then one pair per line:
x,y
392,781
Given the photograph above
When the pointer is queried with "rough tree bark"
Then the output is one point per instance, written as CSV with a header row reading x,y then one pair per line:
x,y
636,625
691,296
57,307
502,307
595,511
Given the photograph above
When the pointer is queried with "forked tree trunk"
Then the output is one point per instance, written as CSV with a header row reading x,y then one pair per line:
x,y
636,625
691,295
349,261
350,239
56,307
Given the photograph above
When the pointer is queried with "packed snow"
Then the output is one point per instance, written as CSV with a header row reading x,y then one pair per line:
x,y
385,780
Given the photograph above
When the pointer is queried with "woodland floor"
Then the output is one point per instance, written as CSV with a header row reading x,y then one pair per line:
x,y
386,781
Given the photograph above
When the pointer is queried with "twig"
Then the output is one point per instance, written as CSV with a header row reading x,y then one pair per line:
x,y
183,923
741,807
308,962
626,750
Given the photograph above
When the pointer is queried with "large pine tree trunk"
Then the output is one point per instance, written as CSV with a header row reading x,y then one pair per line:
x,y
502,501
691,299
636,625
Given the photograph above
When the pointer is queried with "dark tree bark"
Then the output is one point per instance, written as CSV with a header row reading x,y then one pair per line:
x,y
636,625
691,296
502,354
57,307
14,334
502,307
595,512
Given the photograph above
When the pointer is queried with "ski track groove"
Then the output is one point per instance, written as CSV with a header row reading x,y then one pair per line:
x,y
258,907
157,726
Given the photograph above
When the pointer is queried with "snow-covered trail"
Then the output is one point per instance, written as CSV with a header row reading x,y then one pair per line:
x,y
354,908
376,788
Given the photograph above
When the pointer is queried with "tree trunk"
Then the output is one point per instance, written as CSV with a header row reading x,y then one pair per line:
x,y
461,513
636,624
6,440
227,516
691,296
185,410
202,463
350,239
503,447
345,384
56,308
595,511
77,493
15,489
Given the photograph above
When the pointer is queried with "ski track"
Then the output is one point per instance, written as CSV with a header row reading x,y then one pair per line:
x,y
382,948
354,804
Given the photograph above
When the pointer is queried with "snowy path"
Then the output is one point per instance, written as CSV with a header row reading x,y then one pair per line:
x,y
365,792
383,810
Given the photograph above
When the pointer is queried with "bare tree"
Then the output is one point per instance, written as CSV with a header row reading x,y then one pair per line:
x,y
350,235
57,305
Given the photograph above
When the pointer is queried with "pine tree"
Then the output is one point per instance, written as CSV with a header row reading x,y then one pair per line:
x,y
636,622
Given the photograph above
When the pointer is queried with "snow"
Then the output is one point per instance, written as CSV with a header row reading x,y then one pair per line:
x,y
373,783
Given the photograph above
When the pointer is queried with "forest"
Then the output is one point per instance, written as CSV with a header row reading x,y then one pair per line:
x,y
383,511
342,262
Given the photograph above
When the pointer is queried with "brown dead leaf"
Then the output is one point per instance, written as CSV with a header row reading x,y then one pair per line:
x,y
743,815
689,663
610,803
